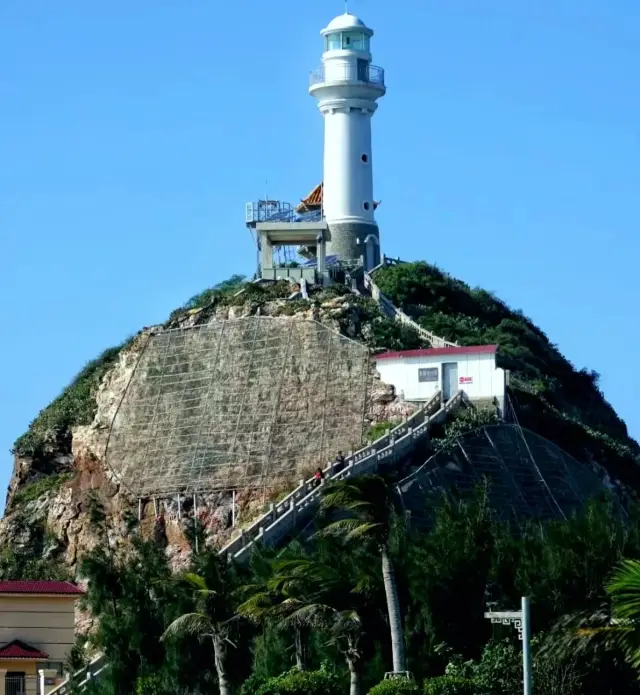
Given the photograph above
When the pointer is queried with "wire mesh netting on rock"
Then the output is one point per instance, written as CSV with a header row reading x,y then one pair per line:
x,y
237,403
528,476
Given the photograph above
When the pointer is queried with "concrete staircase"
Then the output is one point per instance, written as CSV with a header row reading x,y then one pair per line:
x,y
285,516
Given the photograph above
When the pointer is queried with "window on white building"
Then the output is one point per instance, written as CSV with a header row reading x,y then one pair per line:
x,y
333,42
353,40
427,374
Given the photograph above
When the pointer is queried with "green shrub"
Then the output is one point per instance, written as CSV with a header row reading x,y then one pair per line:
x,y
448,685
150,685
296,306
395,686
379,429
254,684
24,564
462,421
295,682
385,332
32,491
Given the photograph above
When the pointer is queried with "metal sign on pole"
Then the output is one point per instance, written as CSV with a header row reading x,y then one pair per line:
x,y
521,621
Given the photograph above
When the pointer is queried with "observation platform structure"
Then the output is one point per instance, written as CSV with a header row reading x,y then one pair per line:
x,y
276,224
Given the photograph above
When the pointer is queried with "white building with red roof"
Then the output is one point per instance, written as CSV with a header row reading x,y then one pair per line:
x,y
418,375
37,631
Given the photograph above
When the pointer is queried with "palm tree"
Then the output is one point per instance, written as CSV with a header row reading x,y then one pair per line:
x,y
276,588
212,618
332,601
368,503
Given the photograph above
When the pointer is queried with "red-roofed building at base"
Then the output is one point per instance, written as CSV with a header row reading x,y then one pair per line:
x,y
37,631
418,375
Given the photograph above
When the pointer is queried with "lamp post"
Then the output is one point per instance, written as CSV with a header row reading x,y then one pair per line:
x,y
520,620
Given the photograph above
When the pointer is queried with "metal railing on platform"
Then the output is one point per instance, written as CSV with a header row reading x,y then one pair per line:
x,y
347,72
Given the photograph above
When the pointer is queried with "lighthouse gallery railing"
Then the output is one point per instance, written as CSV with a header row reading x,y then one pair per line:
x,y
348,73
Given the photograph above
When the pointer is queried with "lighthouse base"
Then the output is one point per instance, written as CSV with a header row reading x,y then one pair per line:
x,y
354,242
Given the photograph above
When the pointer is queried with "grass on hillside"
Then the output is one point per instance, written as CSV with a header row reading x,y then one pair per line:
x,y
33,490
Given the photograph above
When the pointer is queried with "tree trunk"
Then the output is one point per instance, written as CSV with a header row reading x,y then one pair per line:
x,y
220,656
301,638
355,676
393,608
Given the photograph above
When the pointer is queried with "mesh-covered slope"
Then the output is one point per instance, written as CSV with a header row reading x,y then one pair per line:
x,y
237,403
528,475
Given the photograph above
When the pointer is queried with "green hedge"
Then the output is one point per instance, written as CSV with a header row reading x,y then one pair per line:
x,y
448,685
396,686
296,682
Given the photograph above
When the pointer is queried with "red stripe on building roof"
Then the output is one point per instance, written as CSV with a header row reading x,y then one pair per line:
x,y
21,650
28,586
436,352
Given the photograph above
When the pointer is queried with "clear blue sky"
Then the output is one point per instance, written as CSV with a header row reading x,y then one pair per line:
x,y
132,133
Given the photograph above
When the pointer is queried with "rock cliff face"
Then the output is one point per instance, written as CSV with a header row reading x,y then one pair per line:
x,y
47,505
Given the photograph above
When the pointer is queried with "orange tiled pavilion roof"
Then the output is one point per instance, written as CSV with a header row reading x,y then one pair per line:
x,y
313,200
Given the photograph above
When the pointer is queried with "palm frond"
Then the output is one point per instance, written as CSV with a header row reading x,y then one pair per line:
x,y
198,582
258,606
350,529
339,497
189,624
624,589
311,615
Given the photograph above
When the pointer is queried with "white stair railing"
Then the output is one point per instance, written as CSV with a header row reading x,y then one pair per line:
x,y
273,527
389,308
82,677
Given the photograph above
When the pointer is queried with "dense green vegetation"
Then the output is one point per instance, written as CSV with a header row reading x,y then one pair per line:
x,y
319,607
29,564
550,395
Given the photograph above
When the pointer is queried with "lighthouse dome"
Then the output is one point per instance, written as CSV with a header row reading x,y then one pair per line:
x,y
346,22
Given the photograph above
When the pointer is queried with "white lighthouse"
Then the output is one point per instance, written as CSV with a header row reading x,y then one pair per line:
x,y
347,87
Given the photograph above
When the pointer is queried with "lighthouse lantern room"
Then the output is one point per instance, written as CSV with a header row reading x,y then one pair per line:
x,y
334,227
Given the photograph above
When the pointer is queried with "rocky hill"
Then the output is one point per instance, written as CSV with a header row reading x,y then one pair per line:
x,y
58,461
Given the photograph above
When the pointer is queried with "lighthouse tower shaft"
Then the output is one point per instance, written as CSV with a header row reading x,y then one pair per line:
x,y
347,87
